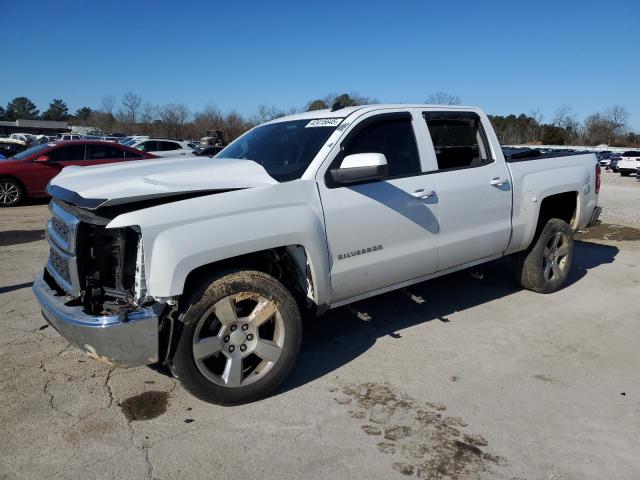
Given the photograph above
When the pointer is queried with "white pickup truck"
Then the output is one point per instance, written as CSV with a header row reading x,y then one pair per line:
x,y
205,265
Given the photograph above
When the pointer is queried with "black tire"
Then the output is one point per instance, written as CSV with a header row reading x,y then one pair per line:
x,y
11,192
240,288
532,272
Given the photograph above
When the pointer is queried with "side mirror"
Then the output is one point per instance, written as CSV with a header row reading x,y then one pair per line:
x,y
42,159
360,167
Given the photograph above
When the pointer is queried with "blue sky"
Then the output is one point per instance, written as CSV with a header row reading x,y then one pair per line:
x,y
505,56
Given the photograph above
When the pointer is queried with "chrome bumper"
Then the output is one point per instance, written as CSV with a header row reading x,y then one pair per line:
x,y
128,339
594,217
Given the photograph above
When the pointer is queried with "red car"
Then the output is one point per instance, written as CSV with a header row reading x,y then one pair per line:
x,y
26,174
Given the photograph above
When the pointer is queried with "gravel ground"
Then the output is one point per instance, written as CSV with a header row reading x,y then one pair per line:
x,y
620,199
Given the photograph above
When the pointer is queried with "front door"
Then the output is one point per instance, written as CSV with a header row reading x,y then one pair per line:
x,y
382,232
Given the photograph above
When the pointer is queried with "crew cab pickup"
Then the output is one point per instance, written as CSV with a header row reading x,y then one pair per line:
x,y
206,265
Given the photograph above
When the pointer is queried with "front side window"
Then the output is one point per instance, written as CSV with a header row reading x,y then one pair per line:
x,y
458,139
72,153
284,149
392,137
150,146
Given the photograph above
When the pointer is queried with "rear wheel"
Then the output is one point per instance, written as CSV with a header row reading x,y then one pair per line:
x,y
11,192
544,266
239,340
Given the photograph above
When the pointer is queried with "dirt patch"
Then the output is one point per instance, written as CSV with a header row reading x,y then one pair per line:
x,y
16,237
145,406
431,444
607,231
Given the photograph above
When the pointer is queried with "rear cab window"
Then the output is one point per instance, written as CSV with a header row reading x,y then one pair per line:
x,y
459,140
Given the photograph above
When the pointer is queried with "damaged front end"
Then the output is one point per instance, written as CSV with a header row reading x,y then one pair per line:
x,y
93,288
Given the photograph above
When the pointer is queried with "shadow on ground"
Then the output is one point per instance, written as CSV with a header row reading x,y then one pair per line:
x,y
339,337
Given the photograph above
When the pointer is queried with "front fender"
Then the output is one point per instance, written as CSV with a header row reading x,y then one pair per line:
x,y
182,236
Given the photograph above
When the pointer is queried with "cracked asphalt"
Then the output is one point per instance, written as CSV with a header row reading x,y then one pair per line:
x,y
483,380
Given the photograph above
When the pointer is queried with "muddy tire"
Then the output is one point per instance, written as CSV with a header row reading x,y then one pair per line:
x,y
545,265
11,192
239,338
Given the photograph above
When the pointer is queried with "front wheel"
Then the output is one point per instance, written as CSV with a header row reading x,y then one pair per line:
x,y
11,192
240,338
545,265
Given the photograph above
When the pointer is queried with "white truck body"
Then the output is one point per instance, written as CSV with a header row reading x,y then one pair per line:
x,y
348,241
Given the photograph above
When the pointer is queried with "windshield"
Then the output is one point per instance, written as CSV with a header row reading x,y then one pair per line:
x,y
284,149
631,154
31,151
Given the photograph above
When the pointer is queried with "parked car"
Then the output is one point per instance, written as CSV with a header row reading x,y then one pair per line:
x,y
162,147
204,266
209,151
9,147
26,174
70,136
613,164
629,162
23,137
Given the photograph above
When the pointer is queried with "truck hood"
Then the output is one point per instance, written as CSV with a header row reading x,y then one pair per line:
x,y
125,182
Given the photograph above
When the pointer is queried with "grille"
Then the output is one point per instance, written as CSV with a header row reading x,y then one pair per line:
x,y
62,231
61,228
60,265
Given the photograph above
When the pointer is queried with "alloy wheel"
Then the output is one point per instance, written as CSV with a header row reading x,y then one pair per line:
x,y
9,193
239,339
554,259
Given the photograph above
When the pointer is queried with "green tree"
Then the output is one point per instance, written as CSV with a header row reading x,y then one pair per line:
x,y
552,135
317,105
3,113
21,107
57,110
83,114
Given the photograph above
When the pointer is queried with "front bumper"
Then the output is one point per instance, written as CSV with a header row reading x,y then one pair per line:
x,y
127,339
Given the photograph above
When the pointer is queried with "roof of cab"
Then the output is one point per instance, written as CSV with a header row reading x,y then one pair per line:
x,y
346,111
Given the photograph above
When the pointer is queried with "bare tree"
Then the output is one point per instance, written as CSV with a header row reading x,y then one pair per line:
x,y
130,106
443,98
108,104
619,117
266,113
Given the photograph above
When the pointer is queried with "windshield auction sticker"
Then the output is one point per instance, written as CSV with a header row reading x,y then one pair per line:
x,y
324,122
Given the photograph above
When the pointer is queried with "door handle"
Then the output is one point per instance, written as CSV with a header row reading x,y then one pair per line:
x,y
422,193
497,181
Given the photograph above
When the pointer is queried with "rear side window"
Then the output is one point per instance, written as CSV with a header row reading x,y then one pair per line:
x,y
131,155
67,154
458,139
392,137
167,146
103,152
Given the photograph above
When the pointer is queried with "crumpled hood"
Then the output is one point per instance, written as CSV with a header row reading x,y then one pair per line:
x,y
118,183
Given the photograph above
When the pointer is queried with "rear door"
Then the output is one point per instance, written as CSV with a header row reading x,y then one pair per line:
x,y
380,233
474,189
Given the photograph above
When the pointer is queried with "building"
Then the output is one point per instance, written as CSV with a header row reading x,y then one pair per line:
x,y
34,127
